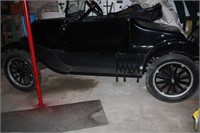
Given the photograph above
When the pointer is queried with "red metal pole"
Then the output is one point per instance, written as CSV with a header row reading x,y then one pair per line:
x,y
32,52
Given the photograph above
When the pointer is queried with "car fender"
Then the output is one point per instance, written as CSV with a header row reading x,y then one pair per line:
x,y
172,46
47,56
22,45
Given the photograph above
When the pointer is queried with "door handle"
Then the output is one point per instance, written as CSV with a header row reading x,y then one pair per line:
x,y
64,25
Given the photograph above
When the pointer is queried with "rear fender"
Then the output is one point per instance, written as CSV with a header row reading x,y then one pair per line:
x,y
167,47
194,37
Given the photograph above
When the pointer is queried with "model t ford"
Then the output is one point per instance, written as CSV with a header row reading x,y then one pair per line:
x,y
122,44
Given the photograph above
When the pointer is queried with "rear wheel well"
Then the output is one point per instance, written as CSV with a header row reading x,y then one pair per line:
x,y
157,54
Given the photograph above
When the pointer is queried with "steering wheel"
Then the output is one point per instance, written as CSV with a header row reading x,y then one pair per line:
x,y
94,7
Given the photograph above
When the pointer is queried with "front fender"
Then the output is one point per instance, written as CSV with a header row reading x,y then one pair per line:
x,y
15,45
22,45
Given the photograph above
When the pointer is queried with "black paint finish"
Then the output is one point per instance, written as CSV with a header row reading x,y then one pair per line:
x,y
93,45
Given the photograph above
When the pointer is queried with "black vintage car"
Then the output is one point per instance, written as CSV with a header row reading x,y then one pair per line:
x,y
122,44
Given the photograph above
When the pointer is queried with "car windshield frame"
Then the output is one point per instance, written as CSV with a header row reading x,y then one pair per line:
x,y
75,6
74,9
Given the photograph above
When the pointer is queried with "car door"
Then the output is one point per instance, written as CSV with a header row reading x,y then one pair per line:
x,y
98,35
110,35
94,42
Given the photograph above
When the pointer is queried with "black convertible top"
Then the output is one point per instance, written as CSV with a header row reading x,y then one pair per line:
x,y
157,26
136,11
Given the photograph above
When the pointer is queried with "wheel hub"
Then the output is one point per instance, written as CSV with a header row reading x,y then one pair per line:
x,y
172,80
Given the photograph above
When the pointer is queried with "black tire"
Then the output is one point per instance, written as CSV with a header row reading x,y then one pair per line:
x,y
18,70
172,78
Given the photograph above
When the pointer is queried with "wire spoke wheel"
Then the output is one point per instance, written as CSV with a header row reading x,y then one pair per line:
x,y
20,72
173,79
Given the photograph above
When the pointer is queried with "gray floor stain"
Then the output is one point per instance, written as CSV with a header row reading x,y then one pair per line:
x,y
67,83
96,116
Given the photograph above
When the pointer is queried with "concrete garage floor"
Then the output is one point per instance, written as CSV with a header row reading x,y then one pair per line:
x,y
129,107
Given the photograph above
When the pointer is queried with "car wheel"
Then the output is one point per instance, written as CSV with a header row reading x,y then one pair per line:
x,y
172,78
18,70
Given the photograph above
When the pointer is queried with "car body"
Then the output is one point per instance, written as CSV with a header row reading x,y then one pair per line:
x,y
123,44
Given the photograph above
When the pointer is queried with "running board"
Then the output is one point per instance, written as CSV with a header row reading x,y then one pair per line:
x,y
99,71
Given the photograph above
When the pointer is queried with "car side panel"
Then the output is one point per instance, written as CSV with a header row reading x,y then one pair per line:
x,y
98,35
155,43
89,47
49,33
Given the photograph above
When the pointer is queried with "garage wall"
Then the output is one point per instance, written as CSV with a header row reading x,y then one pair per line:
x,y
14,30
11,23
41,5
